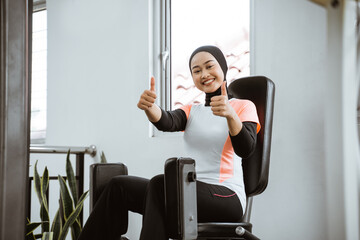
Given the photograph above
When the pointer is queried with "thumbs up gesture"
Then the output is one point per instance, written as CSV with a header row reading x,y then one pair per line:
x,y
220,104
148,97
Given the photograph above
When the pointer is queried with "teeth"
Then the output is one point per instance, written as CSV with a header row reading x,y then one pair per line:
x,y
208,81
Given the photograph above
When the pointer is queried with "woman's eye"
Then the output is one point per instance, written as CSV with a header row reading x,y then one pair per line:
x,y
196,71
210,66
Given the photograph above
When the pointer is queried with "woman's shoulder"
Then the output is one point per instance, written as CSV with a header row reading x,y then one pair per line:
x,y
241,103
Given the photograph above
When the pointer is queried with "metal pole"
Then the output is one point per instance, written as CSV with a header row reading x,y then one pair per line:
x,y
15,52
91,150
80,178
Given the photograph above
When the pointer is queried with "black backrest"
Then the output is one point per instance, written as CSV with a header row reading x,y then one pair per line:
x,y
260,90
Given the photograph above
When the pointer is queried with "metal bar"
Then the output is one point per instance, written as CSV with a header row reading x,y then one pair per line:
x,y
52,178
91,150
80,180
55,178
29,200
247,214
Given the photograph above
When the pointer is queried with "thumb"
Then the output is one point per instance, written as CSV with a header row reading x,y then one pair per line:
x,y
152,84
223,89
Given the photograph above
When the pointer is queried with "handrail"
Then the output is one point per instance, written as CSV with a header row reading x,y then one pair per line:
x,y
91,150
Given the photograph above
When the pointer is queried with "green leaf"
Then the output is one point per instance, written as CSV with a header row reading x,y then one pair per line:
x,y
56,225
66,200
44,215
73,216
44,209
37,183
47,236
71,178
76,229
30,236
83,196
30,227
103,158
44,184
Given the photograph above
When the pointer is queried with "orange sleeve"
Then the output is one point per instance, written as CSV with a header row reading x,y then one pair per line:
x,y
246,110
186,109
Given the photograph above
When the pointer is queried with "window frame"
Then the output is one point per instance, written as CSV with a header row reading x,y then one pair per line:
x,y
39,5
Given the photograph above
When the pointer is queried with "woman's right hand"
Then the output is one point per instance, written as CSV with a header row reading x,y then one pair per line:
x,y
147,103
148,97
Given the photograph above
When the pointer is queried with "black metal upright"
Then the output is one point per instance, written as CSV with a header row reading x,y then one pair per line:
x,y
80,177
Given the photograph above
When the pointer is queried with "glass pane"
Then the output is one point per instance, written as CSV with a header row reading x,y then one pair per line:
x,y
39,77
223,23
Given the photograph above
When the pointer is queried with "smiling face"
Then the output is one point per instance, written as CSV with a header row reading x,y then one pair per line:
x,y
206,72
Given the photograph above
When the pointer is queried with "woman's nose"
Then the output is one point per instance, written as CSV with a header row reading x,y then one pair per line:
x,y
205,74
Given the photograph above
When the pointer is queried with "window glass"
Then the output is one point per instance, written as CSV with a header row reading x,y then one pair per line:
x,y
223,23
39,77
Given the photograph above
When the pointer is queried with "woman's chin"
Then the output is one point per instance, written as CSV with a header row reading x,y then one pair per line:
x,y
210,89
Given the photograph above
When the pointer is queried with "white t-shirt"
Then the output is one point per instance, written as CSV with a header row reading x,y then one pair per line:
x,y
207,141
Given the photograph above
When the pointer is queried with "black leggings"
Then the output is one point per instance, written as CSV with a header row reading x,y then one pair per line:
x,y
109,219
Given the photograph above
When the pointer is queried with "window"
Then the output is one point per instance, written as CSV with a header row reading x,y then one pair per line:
x,y
187,24
39,75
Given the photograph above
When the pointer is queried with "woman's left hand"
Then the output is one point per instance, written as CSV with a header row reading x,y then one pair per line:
x,y
220,105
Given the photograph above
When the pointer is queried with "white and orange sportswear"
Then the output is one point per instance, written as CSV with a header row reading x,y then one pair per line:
x,y
207,140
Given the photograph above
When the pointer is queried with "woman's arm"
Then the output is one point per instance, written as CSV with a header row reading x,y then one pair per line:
x,y
244,143
242,134
221,107
234,123
171,121
153,113
163,120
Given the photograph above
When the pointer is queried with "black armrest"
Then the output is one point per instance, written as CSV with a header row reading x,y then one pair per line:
x,y
100,175
180,199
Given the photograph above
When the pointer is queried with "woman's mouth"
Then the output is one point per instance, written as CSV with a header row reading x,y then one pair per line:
x,y
208,82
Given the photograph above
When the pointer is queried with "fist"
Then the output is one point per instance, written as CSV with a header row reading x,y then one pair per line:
x,y
220,104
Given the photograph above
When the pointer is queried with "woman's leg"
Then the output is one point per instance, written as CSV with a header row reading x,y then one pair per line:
x,y
217,203
214,203
109,219
154,213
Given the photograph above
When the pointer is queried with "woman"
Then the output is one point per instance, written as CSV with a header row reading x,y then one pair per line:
x,y
217,135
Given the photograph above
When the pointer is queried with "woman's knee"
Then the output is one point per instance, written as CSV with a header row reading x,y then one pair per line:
x,y
117,185
115,182
156,184
157,180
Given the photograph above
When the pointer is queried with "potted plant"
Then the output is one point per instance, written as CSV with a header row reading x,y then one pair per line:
x,y
70,207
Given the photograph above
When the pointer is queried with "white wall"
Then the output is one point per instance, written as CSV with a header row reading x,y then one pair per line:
x,y
342,142
98,64
290,48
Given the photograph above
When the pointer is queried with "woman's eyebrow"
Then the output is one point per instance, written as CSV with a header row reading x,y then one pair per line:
x,y
203,64
208,61
196,66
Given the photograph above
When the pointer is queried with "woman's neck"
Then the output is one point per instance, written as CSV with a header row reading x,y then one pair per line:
x,y
208,96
